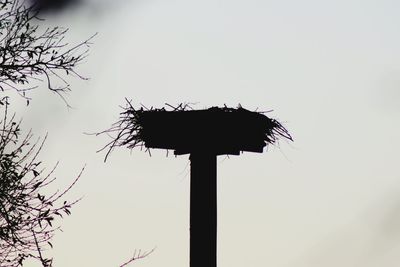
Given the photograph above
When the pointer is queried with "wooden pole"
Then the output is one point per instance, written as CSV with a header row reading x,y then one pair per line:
x,y
203,209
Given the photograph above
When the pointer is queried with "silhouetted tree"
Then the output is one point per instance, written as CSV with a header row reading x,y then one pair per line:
x,y
27,215
29,53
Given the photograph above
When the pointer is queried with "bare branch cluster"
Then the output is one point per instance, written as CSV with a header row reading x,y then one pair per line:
x,y
28,53
27,215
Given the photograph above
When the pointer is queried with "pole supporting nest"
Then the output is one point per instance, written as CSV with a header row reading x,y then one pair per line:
x,y
203,210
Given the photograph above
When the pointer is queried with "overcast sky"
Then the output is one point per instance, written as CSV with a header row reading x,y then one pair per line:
x,y
329,70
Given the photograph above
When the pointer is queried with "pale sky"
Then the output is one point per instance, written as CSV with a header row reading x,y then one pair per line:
x,y
329,70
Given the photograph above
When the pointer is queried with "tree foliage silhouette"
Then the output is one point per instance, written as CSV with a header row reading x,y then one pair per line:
x,y
29,53
26,214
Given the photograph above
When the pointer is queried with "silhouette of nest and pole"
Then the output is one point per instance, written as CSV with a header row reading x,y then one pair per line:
x,y
204,134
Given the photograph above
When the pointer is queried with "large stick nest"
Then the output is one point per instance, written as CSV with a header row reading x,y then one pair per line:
x,y
220,130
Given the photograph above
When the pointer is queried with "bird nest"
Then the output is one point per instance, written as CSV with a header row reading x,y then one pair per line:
x,y
217,130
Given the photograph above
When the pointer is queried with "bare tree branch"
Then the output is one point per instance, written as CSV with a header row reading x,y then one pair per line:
x,y
27,216
29,53
137,254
